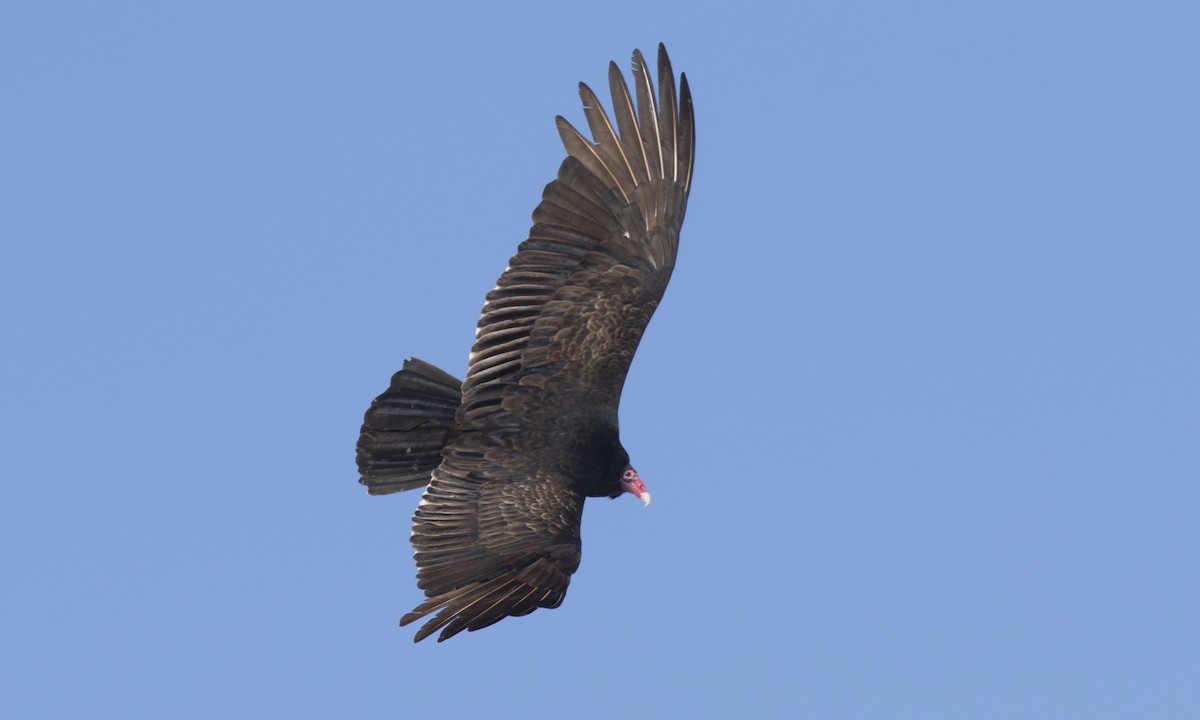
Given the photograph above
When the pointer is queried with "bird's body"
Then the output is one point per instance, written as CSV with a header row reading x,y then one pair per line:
x,y
510,454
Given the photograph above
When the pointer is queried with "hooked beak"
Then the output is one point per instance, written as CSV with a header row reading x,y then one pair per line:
x,y
634,486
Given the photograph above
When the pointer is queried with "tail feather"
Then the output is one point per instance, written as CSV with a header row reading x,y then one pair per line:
x,y
406,427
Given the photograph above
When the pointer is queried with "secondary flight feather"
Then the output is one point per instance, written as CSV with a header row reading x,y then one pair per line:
x,y
508,455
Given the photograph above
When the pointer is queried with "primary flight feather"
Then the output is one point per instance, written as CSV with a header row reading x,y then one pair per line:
x,y
508,455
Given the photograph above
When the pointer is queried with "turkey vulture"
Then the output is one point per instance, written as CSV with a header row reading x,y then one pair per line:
x,y
509,454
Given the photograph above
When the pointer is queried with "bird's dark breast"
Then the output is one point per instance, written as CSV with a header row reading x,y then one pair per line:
x,y
579,443
597,460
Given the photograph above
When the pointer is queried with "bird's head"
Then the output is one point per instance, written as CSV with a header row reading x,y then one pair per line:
x,y
615,476
632,483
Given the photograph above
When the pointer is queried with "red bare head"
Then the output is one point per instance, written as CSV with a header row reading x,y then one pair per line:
x,y
633,484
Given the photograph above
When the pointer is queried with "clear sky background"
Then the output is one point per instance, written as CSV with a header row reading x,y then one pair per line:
x,y
920,411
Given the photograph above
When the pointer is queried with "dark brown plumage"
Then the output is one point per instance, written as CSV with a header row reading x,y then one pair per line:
x,y
510,455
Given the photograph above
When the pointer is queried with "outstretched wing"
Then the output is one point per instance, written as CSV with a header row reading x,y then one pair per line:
x,y
491,543
497,531
568,313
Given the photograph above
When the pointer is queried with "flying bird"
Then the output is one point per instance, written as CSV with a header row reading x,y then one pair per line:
x,y
508,455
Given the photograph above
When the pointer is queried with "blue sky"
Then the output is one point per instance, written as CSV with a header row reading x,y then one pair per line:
x,y
919,412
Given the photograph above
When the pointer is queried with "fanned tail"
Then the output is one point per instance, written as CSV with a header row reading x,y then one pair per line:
x,y
406,427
